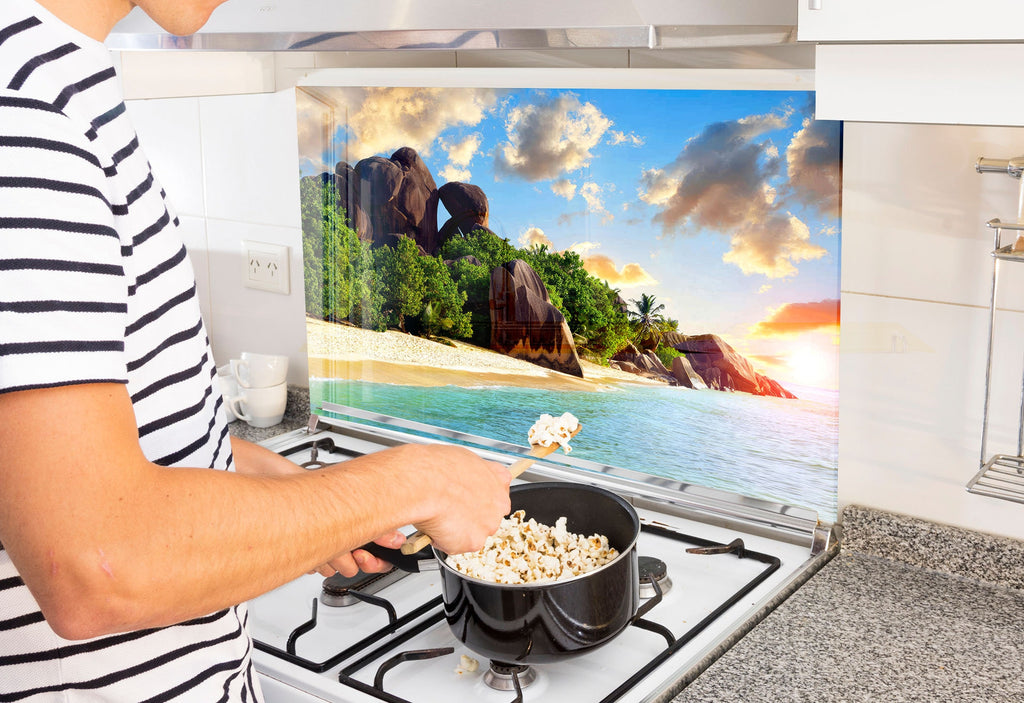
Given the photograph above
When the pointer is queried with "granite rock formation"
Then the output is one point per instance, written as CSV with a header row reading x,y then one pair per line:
x,y
524,323
721,367
645,363
685,375
387,198
468,207
397,197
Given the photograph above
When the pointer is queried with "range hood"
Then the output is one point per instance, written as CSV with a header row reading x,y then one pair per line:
x,y
357,25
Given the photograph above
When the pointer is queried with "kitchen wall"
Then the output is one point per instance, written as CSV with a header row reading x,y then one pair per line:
x,y
916,270
916,280
229,165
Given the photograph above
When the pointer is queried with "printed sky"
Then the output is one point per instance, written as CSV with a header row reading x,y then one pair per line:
x,y
724,205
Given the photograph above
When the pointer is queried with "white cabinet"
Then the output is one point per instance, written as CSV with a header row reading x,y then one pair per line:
x,y
936,61
971,84
910,20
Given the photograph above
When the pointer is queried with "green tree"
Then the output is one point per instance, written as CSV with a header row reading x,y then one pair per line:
x,y
442,301
590,306
474,279
339,278
490,249
401,281
647,320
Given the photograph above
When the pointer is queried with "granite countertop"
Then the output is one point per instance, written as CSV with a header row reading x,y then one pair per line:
x,y
296,415
907,611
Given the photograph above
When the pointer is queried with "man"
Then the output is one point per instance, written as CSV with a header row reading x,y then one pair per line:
x,y
123,554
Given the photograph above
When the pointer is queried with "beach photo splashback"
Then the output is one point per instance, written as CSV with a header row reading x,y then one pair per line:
x,y
661,263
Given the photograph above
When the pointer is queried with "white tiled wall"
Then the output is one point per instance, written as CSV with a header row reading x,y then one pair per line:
x,y
916,280
230,167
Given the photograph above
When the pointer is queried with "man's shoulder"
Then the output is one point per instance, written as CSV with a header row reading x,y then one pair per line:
x,y
28,124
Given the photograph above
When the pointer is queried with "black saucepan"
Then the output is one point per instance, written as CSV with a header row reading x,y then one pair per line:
x,y
543,622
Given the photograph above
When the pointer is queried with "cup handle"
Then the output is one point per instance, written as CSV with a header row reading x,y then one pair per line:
x,y
235,403
240,370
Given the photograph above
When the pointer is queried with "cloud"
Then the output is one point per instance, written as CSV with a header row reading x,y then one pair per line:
x,y
615,138
813,165
657,187
548,139
312,132
771,246
722,181
564,188
566,219
582,248
461,153
594,197
797,318
603,268
380,120
452,173
535,236
720,176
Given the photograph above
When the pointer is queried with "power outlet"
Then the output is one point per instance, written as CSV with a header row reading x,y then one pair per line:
x,y
265,266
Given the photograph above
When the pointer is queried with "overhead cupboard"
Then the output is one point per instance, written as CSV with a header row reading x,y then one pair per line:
x,y
928,62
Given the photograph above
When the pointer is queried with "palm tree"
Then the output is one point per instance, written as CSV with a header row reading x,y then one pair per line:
x,y
647,320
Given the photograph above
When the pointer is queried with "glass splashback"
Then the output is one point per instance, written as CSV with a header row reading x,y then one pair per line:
x,y
661,262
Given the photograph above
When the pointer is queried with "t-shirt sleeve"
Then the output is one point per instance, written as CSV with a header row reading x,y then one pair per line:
x,y
63,290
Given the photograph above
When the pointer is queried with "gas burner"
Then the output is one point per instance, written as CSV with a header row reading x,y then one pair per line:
x,y
653,568
502,677
315,447
314,463
341,591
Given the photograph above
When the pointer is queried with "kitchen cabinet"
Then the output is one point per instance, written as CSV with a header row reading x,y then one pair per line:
x,y
920,62
924,20
971,84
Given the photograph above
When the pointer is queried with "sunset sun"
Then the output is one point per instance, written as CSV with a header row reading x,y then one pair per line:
x,y
812,366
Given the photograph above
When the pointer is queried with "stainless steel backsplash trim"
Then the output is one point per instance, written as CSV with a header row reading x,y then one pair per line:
x,y
792,523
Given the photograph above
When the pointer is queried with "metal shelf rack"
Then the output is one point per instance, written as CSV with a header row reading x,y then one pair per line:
x,y
1001,475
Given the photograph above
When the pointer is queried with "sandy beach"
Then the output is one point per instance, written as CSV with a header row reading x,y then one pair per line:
x,y
343,351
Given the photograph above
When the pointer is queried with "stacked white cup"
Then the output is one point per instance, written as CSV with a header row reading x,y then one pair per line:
x,y
262,392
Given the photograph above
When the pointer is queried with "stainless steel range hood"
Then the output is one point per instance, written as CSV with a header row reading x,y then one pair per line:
x,y
357,25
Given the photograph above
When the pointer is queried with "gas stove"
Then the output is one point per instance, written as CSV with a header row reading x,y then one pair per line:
x,y
712,565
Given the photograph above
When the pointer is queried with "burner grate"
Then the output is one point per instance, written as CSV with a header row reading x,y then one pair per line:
x,y
330,663
432,613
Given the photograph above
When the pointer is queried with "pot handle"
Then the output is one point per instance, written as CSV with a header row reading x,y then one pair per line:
x,y
414,563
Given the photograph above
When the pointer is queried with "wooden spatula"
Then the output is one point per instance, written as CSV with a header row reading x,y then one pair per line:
x,y
418,540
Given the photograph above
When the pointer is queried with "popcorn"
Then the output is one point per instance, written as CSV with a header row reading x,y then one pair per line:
x,y
550,430
525,551
467,665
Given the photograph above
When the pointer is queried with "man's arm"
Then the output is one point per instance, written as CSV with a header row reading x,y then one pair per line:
x,y
107,541
253,459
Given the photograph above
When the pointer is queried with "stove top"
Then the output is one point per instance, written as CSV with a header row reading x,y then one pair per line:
x,y
712,564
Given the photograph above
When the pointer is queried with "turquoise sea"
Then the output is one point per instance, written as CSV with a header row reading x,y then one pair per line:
x,y
773,448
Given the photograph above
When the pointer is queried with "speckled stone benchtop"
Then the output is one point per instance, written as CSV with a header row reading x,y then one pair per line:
x,y
908,611
296,415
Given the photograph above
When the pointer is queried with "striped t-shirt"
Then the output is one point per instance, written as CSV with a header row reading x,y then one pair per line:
x,y
96,286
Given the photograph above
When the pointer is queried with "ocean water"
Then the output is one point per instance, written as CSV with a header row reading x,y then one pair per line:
x,y
774,448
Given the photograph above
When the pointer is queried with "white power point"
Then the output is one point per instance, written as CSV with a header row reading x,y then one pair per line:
x,y
265,266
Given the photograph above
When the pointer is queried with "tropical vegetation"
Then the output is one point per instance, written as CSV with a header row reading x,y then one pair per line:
x,y
400,287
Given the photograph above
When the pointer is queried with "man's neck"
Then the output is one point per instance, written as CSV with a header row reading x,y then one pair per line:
x,y
94,18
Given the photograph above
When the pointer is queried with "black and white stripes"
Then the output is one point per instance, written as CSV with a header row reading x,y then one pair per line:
x,y
96,286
